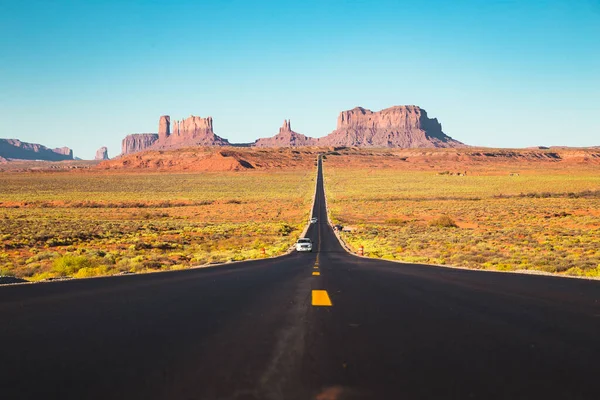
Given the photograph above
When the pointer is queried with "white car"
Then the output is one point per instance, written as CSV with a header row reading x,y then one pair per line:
x,y
304,244
313,220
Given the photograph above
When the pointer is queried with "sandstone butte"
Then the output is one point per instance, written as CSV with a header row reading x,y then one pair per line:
x,y
286,138
189,132
398,126
102,154
16,149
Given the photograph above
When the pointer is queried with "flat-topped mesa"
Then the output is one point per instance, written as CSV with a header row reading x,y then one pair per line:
x,y
286,138
16,149
399,126
138,142
193,126
192,131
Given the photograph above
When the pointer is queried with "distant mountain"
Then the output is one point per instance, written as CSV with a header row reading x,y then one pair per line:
x,y
399,126
286,138
189,132
138,142
102,154
16,149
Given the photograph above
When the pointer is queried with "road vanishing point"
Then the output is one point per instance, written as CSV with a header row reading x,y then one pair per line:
x,y
324,325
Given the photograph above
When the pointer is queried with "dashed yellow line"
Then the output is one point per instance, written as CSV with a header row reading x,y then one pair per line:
x,y
320,298
316,273
316,267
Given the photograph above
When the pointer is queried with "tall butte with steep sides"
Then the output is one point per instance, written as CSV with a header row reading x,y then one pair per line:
x,y
102,154
286,138
138,142
399,126
192,131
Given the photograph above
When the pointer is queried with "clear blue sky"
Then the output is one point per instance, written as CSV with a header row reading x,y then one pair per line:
x,y
495,73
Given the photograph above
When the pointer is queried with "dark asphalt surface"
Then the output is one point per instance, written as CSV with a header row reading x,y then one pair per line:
x,y
249,331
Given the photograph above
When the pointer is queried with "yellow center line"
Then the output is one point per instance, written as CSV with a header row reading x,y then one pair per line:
x,y
316,267
316,273
321,298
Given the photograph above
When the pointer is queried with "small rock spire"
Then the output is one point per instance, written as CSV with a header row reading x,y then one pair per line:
x,y
287,126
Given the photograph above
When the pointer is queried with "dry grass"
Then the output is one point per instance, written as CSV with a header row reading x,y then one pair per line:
x,y
546,218
86,224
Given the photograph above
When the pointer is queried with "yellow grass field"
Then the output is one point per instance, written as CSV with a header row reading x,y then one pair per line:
x,y
542,216
83,224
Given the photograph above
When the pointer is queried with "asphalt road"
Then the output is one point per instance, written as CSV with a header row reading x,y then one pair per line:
x,y
251,331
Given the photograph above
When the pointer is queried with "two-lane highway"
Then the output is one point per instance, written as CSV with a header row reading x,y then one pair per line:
x,y
322,325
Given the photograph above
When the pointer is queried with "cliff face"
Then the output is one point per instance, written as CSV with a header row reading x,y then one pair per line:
x,y
286,138
192,131
102,154
14,148
399,126
65,151
164,127
138,142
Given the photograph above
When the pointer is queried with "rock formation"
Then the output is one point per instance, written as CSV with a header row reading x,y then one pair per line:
x,y
138,142
286,138
65,151
102,154
15,149
399,126
192,131
164,127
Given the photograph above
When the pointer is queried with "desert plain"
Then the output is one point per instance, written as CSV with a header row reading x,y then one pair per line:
x,y
524,210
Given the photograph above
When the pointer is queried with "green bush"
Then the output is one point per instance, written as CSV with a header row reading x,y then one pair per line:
x,y
69,265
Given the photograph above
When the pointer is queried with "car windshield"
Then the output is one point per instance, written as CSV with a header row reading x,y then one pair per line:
x,y
303,240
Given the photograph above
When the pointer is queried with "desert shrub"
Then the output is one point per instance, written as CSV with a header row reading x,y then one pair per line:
x,y
443,221
575,271
164,246
88,272
68,265
395,221
55,242
285,229
142,246
152,264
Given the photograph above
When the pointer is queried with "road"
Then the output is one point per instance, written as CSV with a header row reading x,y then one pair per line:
x,y
251,331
